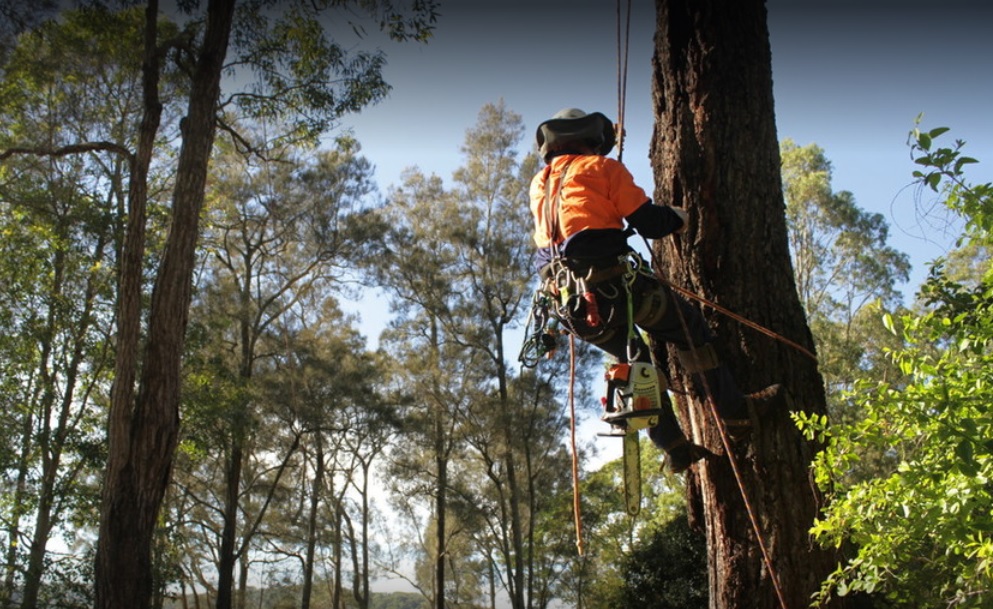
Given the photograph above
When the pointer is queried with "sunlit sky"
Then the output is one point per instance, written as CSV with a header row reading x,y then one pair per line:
x,y
849,76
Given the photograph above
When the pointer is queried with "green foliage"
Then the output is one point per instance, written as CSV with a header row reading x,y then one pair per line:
x,y
287,597
942,170
666,569
918,534
310,74
653,559
57,246
845,272
839,251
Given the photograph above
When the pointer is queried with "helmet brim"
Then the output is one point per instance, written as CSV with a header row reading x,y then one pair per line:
x,y
559,133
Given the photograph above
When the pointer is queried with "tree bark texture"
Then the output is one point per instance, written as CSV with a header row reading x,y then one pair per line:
x,y
144,429
715,153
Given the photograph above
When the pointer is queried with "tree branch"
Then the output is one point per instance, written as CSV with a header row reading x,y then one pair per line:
x,y
70,149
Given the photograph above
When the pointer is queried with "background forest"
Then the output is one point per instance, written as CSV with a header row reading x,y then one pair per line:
x,y
313,471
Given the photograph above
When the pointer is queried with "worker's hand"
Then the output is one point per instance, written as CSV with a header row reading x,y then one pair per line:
x,y
682,216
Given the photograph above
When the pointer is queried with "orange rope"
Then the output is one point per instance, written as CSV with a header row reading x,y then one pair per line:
x,y
576,512
722,430
735,316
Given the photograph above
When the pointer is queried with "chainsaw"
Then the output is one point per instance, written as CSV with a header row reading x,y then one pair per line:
x,y
633,402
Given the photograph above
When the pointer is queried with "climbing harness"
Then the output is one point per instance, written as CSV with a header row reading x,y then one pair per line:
x,y
540,332
566,302
634,393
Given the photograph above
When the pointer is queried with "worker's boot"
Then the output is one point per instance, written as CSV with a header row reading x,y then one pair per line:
x,y
668,437
680,455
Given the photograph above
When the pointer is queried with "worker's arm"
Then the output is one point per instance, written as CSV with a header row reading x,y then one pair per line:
x,y
656,221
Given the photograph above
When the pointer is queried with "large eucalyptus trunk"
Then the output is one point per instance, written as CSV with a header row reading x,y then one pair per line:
x,y
143,430
715,153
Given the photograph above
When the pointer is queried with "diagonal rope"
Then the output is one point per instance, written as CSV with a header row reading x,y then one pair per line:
x,y
726,442
727,312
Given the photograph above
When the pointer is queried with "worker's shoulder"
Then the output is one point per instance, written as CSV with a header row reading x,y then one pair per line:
x,y
604,165
598,160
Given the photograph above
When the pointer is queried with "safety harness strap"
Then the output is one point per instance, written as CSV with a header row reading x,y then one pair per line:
x,y
552,208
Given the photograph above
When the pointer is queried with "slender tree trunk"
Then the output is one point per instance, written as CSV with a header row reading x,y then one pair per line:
x,y
716,154
492,582
510,432
532,506
36,553
337,596
441,508
227,558
143,432
441,489
361,592
241,598
18,507
56,426
315,494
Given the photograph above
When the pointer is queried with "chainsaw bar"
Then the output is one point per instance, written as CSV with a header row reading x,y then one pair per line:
x,y
632,473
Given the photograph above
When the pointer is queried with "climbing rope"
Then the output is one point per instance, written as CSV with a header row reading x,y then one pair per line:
x,y
735,316
622,68
622,59
622,74
726,442
576,499
622,64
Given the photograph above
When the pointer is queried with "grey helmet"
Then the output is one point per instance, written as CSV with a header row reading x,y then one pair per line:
x,y
572,126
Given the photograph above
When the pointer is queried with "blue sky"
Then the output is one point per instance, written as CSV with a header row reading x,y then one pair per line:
x,y
849,76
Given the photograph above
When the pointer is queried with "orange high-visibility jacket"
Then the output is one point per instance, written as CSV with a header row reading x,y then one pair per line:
x,y
596,200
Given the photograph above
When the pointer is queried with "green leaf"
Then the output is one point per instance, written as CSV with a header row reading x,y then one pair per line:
x,y
888,323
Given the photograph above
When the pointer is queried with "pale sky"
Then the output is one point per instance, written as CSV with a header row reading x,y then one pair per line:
x,y
848,76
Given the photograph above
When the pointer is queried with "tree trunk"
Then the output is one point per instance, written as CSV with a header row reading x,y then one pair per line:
x,y
337,591
440,439
361,586
315,501
227,555
515,576
441,508
143,431
715,153
17,499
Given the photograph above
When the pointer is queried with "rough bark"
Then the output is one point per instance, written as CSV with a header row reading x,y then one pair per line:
x,y
312,532
715,153
144,428
228,555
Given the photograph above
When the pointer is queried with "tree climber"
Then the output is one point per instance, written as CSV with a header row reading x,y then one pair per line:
x,y
581,201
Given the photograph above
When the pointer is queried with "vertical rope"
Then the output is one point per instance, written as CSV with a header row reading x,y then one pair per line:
x,y
722,431
576,511
622,74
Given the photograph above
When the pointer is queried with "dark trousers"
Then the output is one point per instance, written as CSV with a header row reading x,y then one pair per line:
x,y
666,318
